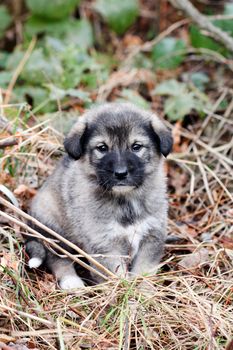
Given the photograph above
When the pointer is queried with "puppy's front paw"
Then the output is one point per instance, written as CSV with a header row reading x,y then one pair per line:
x,y
71,282
34,263
143,271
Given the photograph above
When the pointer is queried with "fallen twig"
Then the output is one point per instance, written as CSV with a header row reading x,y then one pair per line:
x,y
19,70
10,141
56,235
203,22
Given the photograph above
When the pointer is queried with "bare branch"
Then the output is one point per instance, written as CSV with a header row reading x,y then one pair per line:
x,y
203,22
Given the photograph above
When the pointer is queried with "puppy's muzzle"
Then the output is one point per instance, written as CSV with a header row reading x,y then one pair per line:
x,y
120,170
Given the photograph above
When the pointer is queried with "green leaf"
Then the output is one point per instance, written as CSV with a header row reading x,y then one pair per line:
x,y
40,69
14,60
176,107
58,94
200,40
134,97
226,24
5,78
5,19
142,61
80,67
53,9
54,45
36,25
182,98
228,8
39,96
168,53
109,61
61,121
199,79
119,15
170,87
80,33
223,105
4,56
75,62
72,31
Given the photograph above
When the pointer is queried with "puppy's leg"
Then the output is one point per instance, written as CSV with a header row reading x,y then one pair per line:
x,y
148,256
64,271
115,263
36,251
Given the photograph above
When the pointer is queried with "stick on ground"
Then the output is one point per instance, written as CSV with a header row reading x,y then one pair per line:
x,y
203,22
54,234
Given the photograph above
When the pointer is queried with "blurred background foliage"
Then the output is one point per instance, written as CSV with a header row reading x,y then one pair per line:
x,y
78,45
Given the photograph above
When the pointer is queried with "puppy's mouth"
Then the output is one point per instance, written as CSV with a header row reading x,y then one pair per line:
x,y
122,183
118,186
122,188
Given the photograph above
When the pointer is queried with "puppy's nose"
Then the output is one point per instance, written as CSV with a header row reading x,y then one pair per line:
x,y
121,173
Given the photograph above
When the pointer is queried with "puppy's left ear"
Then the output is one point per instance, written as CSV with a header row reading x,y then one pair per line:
x,y
73,143
162,136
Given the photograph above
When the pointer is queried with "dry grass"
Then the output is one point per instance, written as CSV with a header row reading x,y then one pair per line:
x,y
188,305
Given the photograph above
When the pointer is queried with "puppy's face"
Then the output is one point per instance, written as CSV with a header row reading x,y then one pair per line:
x,y
119,145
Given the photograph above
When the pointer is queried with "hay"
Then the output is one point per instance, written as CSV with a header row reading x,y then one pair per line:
x,y
187,305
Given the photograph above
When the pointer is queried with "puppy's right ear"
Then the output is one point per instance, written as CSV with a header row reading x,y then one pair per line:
x,y
73,143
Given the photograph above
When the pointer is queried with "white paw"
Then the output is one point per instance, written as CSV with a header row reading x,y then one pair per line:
x,y
71,282
34,263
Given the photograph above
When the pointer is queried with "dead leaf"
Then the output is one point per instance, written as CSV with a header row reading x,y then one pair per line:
x,y
178,180
132,40
230,213
176,133
9,260
195,259
125,78
227,242
187,231
6,179
4,338
229,252
230,345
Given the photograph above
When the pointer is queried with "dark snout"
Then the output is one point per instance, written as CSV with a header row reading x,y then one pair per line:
x,y
120,169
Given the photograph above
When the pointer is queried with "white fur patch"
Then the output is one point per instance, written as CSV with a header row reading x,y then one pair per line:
x,y
135,233
122,189
34,263
71,282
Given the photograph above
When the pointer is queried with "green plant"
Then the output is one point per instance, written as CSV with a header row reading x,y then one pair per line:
x,y
168,53
5,19
133,97
200,40
53,72
119,15
53,9
182,99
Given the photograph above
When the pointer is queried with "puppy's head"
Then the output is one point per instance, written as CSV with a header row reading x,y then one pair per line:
x,y
120,145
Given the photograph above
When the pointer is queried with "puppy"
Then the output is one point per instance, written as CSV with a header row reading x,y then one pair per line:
x,y
108,194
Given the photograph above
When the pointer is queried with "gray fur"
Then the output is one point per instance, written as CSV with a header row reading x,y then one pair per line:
x,y
118,220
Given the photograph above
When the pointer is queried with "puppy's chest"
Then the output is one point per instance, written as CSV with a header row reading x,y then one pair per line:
x,y
133,233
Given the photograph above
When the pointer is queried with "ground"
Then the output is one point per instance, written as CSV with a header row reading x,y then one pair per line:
x,y
189,303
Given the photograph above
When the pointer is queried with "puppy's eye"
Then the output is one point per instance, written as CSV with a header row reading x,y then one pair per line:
x,y
136,147
102,148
